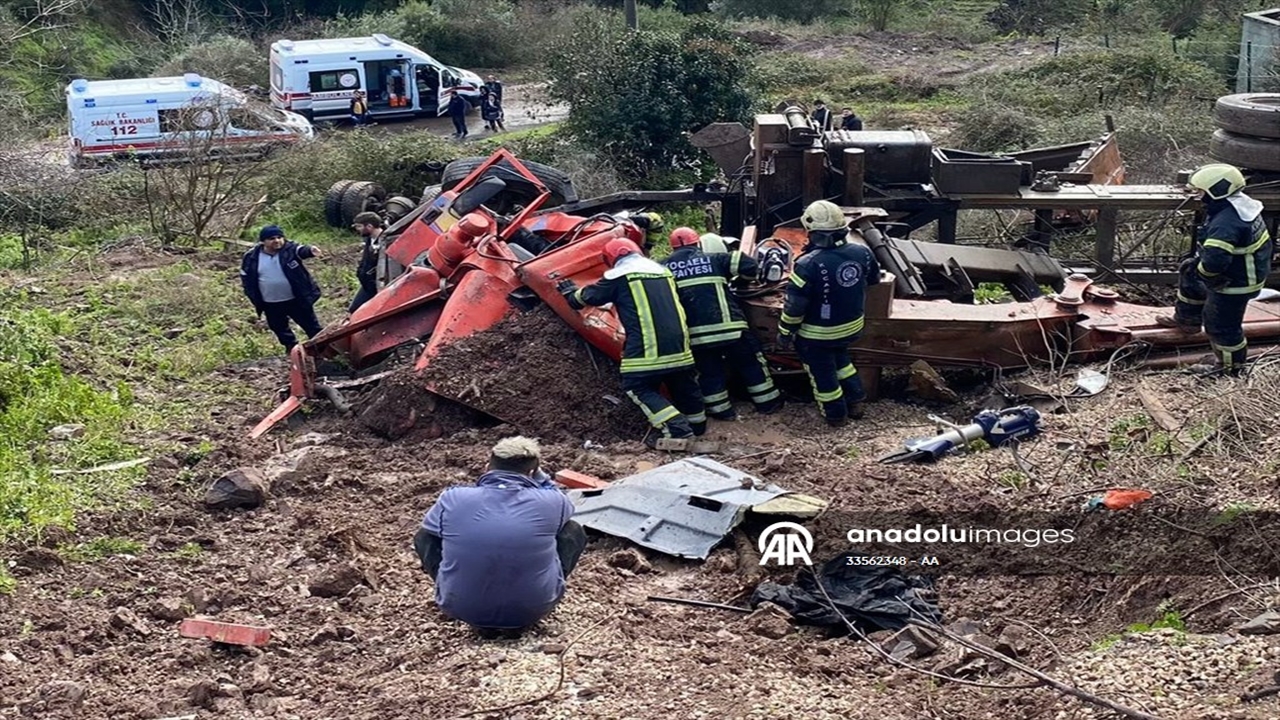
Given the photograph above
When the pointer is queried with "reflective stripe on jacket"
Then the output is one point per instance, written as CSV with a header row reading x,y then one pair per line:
x,y
702,281
644,295
827,293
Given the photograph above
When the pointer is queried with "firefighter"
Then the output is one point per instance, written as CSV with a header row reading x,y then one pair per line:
x,y
652,225
717,328
656,350
823,310
1216,285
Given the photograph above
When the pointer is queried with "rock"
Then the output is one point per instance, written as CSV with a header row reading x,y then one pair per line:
x,y
202,693
1012,641
1268,623
38,558
913,643
173,332
285,469
495,659
170,609
630,559
771,621
337,581
122,618
587,693
552,648
311,439
259,678
63,694
927,384
63,433
9,658
242,487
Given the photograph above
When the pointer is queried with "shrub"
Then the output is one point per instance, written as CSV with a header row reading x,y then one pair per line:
x,y
657,86
805,12
232,60
994,128
467,33
1037,17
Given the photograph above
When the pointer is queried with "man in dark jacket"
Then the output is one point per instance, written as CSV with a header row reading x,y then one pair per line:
x,y
821,115
656,349
494,86
849,120
717,327
501,551
1230,269
458,113
279,286
825,301
369,226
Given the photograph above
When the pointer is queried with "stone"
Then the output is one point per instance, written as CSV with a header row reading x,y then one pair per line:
x,y
243,487
122,618
170,609
311,439
630,559
770,621
552,648
286,468
202,693
337,581
913,643
63,433
9,658
63,694
927,384
38,558
1268,623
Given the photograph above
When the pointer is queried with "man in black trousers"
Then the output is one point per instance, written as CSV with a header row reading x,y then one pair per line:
x,y
279,285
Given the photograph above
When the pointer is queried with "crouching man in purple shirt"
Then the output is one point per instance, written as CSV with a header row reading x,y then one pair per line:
x,y
500,551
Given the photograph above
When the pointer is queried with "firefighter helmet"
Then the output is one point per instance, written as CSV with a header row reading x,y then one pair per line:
x,y
823,215
1218,180
712,243
616,249
682,236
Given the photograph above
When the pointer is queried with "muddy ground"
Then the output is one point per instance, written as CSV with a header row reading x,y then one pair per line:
x,y
326,562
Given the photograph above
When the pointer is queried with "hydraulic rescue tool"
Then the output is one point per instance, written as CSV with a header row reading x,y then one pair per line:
x,y
996,427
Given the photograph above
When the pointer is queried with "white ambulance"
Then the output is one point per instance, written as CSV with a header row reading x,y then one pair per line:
x,y
151,118
318,77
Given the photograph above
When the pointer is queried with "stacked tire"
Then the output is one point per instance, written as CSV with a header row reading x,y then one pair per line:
x,y
1248,134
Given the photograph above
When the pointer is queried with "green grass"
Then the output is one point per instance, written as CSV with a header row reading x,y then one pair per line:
x,y
1168,619
7,583
100,548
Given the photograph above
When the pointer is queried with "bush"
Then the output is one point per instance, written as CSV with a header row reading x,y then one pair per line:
x,y
465,33
1037,17
805,12
657,87
993,128
232,60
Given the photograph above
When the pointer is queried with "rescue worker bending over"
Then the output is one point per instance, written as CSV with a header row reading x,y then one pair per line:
x,y
1216,285
823,310
652,225
656,350
717,328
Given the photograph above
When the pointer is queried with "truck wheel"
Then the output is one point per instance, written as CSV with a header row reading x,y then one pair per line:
x,y
1244,151
397,207
1256,114
359,197
519,190
333,202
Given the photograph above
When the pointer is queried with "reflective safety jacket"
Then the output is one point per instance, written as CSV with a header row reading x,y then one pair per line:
x,y
827,293
702,280
644,294
1235,253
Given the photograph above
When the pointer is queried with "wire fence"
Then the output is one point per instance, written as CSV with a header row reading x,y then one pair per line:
x,y
1247,66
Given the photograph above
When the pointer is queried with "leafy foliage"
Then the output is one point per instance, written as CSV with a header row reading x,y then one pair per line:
x,y
233,60
656,86
804,12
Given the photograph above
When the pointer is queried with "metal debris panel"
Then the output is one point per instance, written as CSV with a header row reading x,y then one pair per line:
x,y
682,508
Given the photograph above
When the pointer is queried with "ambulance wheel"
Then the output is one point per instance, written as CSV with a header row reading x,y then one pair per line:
x,y
359,197
1255,114
519,189
1245,152
333,202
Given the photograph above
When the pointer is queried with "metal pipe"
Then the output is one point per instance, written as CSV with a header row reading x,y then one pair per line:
x,y
1166,362
854,172
333,396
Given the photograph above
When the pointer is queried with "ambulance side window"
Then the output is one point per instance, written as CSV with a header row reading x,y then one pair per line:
x,y
335,80
187,119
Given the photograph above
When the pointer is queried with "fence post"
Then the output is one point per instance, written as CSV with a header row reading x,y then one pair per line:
x,y
1057,43
1106,41
1248,67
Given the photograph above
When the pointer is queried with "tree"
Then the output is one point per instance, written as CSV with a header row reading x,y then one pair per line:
x,y
636,95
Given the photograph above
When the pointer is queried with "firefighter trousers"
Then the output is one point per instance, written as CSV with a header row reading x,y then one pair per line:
x,y
743,357
680,417
835,380
1221,314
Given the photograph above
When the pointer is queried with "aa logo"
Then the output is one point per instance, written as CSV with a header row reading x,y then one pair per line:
x,y
785,543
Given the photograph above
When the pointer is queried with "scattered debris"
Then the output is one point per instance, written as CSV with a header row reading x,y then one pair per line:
x,y
926,384
912,643
684,508
122,618
688,445
630,559
170,609
63,433
337,581
1268,623
1089,383
771,621
996,427
223,632
109,467
579,481
243,487
1118,499
872,597
699,603
63,694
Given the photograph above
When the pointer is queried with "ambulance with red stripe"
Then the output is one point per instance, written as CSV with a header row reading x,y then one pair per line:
x,y
152,118
318,77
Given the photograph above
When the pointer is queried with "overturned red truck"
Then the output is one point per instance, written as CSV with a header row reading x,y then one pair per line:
x,y
467,258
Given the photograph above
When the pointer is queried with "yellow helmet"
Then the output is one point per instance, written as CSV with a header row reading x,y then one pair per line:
x,y
823,215
712,243
1218,180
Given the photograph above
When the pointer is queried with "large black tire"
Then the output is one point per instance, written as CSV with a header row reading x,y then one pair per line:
x,y
519,189
1244,151
361,196
397,207
1255,114
333,202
